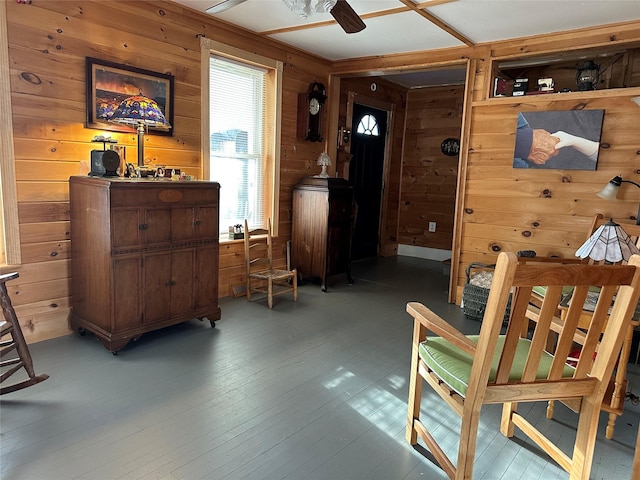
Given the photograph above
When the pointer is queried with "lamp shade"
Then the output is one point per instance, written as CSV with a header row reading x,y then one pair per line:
x,y
610,190
610,243
138,109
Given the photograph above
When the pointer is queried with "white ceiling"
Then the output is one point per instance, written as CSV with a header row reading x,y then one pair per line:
x,y
393,27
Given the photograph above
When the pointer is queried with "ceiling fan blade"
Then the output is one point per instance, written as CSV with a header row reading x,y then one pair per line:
x,y
223,5
347,17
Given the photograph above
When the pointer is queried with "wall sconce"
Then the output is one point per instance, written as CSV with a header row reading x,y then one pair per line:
x,y
587,76
636,100
610,191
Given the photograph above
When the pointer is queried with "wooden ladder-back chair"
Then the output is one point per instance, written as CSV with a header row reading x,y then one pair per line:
x,y
261,276
470,371
12,340
613,401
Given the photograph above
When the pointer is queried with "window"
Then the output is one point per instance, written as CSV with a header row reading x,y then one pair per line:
x,y
242,147
368,125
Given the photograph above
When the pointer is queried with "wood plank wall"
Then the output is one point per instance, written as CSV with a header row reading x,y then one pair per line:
x,y
48,43
428,176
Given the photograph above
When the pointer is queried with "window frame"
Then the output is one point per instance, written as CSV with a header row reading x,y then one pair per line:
x,y
273,115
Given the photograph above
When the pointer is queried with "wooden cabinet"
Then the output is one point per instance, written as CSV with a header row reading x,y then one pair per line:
x,y
144,255
322,228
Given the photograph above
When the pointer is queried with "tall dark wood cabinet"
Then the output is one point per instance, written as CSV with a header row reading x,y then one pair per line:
x,y
322,228
144,255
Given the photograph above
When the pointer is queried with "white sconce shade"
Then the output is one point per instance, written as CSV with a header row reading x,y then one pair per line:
x,y
636,100
610,190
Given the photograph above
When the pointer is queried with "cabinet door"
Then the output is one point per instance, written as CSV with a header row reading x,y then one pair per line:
x,y
125,227
339,234
157,225
126,294
206,221
182,281
206,276
157,286
182,224
309,238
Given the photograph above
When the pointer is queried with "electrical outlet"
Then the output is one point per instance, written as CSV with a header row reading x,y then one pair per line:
x,y
432,226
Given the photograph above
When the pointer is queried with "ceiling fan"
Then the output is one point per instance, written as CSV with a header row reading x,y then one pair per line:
x,y
341,11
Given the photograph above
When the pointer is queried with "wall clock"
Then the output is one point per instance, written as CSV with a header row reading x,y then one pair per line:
x,y
450,147
310,112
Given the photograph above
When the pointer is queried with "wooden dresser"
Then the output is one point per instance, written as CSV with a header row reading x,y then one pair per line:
x,y
144,255
322,227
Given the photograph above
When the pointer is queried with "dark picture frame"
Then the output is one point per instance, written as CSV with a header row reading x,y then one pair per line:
x,y
575,132
109,83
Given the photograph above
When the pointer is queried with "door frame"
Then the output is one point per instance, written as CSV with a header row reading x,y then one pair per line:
x,y
390,108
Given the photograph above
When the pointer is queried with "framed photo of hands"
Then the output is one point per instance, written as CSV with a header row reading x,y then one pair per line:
x,y
565,140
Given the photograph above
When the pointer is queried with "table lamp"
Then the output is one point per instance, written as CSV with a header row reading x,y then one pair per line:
x,y
140,111
609,243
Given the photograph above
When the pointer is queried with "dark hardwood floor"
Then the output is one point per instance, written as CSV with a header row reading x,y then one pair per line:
x,y
311,390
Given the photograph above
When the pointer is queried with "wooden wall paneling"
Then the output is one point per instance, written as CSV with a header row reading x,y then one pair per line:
x,y
429,177
39,232
508,209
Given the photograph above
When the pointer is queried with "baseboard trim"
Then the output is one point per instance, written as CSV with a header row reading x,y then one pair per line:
x,y
424,252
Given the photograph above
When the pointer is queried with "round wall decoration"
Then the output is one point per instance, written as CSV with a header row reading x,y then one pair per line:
x,y
450,147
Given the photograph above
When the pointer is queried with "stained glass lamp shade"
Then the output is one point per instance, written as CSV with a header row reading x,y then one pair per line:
x,y
140,111
610,243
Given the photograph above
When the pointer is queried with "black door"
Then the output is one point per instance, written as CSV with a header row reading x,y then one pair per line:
x,y
368,135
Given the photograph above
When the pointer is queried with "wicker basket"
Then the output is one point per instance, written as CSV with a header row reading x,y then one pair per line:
x,y
476,292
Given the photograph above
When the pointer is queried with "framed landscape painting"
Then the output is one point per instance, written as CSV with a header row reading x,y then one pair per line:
x,y
108,84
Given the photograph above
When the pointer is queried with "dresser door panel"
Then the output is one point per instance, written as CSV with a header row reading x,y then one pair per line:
x,y
125,231
182,278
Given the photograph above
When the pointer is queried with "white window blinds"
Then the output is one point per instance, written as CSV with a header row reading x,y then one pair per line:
x,y
237,157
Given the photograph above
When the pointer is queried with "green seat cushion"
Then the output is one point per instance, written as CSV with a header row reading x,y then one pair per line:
x,y
541,290
453,365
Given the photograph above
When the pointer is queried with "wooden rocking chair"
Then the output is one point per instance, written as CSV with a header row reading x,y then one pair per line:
x,y
14,342
470,371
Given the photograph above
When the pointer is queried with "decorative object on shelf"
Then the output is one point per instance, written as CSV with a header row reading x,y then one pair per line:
x,y
610,191
450,147
142,112
104,162
587,76
520,87
324,161
545,85
311,111
236,232
500,87
610,243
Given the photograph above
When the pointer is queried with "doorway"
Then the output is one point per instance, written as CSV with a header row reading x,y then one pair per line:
x,y
366,173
